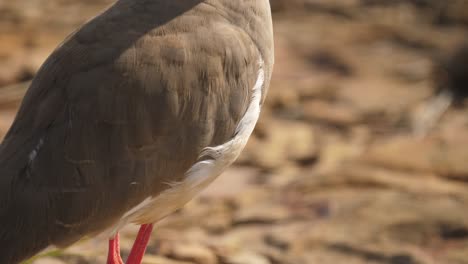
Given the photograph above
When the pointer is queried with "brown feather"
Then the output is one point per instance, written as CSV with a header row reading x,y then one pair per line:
x,y
123,106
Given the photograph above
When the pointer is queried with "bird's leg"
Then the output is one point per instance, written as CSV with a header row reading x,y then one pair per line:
x,y
113,256
141,242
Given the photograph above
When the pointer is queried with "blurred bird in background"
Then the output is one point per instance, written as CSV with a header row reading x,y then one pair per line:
x,y
450,79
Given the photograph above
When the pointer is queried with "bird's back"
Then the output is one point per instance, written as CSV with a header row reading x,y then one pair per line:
x,y
122,108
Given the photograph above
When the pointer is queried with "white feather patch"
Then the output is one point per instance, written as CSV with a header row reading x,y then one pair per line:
x,y
35,151
202,173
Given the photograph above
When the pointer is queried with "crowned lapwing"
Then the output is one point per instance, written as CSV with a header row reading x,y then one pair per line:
x,y
129,118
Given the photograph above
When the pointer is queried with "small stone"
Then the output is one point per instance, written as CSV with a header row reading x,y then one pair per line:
x,y
278,142
193,253
247,258
337,114
261,214
446,157
48,260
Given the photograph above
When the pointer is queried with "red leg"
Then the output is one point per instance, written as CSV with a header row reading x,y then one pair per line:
x,y
113,256
139,247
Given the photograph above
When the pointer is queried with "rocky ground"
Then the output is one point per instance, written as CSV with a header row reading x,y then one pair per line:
x,y
333,173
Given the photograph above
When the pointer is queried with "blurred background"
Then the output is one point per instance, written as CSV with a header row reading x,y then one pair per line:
x,y
360,156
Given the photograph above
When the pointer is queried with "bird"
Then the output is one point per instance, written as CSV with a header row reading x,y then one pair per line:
x,y
449,79
129,118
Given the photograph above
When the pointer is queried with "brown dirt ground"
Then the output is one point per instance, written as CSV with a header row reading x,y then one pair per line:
x,y
333,173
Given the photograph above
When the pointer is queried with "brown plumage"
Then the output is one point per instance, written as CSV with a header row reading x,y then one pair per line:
x,y
124,106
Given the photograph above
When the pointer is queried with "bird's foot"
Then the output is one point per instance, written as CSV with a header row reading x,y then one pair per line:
x,y
141,242
113,256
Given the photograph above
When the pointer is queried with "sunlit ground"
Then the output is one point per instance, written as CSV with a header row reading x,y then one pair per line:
x,y
333,173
